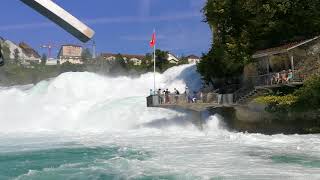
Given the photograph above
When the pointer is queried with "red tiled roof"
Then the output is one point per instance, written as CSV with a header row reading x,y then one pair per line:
x,y
28,50
130,56
108,54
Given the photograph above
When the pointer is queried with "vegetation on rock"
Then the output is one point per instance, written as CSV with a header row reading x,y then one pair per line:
x,y
240,27
305,98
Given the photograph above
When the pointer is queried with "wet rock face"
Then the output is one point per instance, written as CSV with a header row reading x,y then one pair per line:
x,y
257,120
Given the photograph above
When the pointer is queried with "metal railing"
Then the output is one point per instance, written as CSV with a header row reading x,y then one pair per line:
x,y
277,78
185,99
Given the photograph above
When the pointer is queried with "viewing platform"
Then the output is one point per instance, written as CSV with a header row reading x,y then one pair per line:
x,y
200,103
192,106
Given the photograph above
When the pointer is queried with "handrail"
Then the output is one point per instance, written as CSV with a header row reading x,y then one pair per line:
x,y
272,79
192,98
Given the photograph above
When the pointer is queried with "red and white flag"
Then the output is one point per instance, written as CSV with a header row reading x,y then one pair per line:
x,y
153,40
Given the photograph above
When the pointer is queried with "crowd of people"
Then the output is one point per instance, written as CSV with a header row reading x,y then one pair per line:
x,y
175,97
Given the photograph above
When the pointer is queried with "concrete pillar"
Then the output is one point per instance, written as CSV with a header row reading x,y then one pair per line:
x,y
292,62
62,18
292,65
268,64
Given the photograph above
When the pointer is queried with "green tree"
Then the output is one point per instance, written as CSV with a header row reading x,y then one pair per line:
x,y
309,94
161,59
6,52
121,61
69,67
183,60
119,66
44,59
16,55
86,55
147,59
241,27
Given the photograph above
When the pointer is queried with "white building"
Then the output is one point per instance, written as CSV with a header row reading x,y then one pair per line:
x,y
26,54
135,59
193,59
30,55
52,62
109,56
70,53
172,59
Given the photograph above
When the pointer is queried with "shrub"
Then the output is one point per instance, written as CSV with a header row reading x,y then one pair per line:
x,y
309,94
278,103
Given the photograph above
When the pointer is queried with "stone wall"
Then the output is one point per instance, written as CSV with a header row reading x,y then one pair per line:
x,y
254,119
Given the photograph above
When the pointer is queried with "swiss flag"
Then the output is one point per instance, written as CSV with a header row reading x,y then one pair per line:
x,y
153,40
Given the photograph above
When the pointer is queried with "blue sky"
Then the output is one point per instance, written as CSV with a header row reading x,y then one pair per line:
x,y
122,26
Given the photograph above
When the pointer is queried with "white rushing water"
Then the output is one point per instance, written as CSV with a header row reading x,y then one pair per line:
x,y
87,110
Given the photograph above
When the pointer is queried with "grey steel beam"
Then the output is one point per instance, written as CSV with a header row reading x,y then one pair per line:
x,y
62,18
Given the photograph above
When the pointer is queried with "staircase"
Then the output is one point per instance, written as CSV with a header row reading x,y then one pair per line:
x,y
243,94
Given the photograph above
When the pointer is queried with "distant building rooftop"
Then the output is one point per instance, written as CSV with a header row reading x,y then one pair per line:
x,y
129,56
193,57
28,50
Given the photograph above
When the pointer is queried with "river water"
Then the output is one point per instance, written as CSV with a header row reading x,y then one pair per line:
x,y
85,126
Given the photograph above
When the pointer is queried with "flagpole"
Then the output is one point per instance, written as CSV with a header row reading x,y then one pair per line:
x,y
154,65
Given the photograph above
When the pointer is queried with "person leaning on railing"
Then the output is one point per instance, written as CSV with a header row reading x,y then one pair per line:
x,y
167,98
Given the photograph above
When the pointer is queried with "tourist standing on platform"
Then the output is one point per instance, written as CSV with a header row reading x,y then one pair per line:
x,y
187,94
167,92
160,96
177,93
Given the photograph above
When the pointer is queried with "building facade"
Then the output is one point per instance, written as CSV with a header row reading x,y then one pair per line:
x,y
31,56
70,53
192,59
128,58
172,59
52,62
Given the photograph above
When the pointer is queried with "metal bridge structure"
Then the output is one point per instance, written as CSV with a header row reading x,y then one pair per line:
x,y
62,18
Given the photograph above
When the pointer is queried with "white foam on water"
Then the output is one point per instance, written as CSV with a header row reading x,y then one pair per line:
x,y
86,101
91,110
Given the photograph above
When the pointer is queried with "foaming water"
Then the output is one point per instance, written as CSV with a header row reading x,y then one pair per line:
x,y
82,101
85,126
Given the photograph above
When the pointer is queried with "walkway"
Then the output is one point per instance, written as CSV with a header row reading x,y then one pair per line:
x,y
179,101
192,106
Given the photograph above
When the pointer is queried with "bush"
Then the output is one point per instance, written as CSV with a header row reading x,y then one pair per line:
x,y
304,99
309,94
278,103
